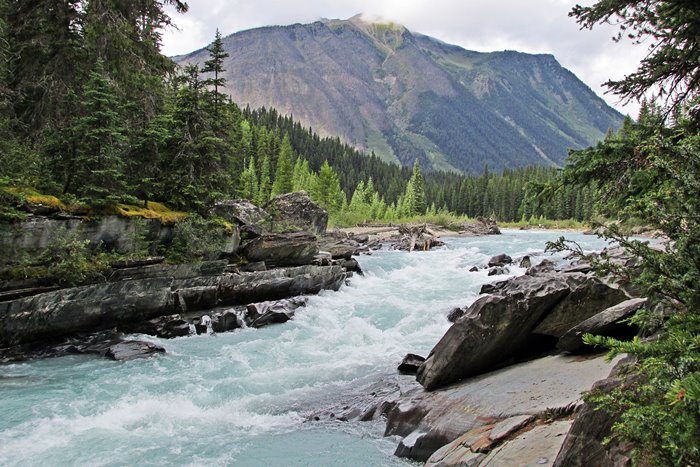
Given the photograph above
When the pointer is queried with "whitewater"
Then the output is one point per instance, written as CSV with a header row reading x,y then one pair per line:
x,y
243,398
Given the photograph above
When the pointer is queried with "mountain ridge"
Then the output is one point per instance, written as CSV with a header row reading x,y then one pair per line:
x,y
405,95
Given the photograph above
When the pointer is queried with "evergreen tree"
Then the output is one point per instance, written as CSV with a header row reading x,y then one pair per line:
x,y
215,65
418,189
283,172
327,191
98,174
248,185
265,185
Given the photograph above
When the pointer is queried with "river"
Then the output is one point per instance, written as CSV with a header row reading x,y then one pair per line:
x,y
242,398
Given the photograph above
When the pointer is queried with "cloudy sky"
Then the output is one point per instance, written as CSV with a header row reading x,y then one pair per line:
x,y
534,26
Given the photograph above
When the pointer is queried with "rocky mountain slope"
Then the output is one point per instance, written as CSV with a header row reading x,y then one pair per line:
x,y
405,95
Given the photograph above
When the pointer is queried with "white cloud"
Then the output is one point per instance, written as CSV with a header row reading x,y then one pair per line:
x,y
537,26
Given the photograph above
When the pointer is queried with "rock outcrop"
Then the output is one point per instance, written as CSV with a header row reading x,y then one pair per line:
x,y
136,296
608,322
288,249
465,423
585,444
295,211
502,326
492,330
112,232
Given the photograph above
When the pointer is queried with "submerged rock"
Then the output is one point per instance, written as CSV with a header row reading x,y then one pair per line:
x,y
280,311
130,350
500,260
225,321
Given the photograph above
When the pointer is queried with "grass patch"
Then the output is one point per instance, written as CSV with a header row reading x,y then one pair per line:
x,y
153,211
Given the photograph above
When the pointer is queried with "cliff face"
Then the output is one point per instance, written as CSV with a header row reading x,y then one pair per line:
x,y
404,95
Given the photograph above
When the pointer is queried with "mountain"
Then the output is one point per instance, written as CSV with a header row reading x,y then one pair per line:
x,y
405,95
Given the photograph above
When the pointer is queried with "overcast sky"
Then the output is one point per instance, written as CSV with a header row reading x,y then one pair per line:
x,y
534,26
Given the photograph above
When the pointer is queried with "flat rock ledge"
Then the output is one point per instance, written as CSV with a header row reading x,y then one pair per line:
x,y
489,419
150,292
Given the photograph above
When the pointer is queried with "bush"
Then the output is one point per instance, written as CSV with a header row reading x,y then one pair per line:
x,y
197,238
67,260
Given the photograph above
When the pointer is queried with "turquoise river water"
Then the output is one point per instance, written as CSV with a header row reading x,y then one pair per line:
x,y
242,398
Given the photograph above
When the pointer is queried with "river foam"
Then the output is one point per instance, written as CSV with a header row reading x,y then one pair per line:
x,y
241,397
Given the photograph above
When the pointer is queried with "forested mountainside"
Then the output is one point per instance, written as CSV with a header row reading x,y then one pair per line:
x,y
94,114
407,96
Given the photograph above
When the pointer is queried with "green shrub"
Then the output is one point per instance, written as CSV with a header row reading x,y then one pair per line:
x,y
197,238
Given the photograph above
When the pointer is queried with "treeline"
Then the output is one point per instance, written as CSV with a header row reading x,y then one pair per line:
x,y
93,112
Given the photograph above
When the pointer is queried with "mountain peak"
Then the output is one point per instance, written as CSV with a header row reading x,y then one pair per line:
x,y
407,96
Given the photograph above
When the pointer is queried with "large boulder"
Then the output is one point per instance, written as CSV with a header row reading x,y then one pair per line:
x,y
288,249
241,212
280,311
493,329
608,322
296,211
589,296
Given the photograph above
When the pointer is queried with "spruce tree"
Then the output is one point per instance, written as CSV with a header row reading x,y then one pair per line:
x,y
327,192
283,173
248,184
265,184
98,171
418,188
215,65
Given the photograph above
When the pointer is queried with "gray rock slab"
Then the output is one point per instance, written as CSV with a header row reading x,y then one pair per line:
x,y
537,447
130,350
525,389
605,323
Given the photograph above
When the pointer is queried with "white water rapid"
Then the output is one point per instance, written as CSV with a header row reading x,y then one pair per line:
x,y
241,398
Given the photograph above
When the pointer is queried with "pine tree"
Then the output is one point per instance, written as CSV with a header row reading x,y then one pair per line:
x,y
265,185
418,188
327,191
283,173
248,185
215,65
98,171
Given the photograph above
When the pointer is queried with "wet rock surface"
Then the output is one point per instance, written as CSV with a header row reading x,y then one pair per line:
x,y
410,363
130,350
